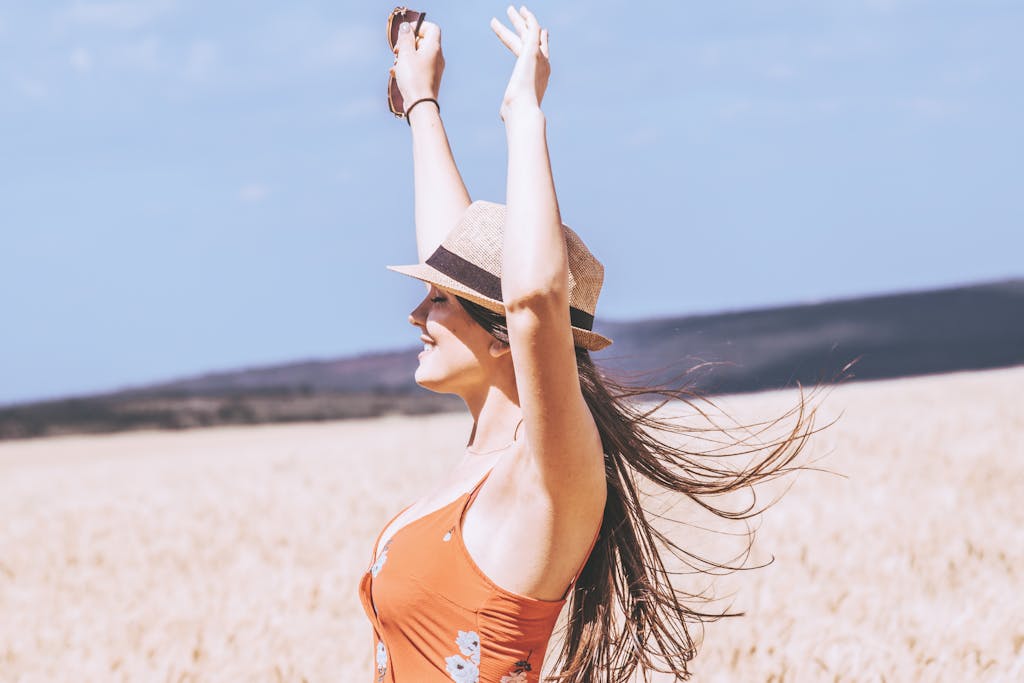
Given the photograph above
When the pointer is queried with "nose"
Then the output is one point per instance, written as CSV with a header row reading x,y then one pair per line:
x,y
418,316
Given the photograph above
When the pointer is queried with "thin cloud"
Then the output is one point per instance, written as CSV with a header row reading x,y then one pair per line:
x,y
81,60
140,55
779,71
736,108
117,16
644,136
30,87
930,107
889,6
830,105
252,193
202,60
781,56
362,107
348,45
970,73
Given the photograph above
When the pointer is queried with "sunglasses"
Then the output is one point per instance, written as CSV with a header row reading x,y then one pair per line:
x,y
398,16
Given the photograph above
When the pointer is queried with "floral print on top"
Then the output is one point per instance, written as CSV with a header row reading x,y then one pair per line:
x,y
433,605
382,660
518,673
465,670
379,564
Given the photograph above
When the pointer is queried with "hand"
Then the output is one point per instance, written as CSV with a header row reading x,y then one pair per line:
x,y
418,62
530,75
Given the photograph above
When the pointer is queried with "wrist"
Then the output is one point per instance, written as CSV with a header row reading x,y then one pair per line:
x,y
419,105
419,95
521,115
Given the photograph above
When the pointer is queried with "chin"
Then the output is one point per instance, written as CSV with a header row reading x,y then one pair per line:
x,y
425,383
424,379
441,384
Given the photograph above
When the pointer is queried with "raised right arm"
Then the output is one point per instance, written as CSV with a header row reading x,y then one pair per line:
x,y
440,195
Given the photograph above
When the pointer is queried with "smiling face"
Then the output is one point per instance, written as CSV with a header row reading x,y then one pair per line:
x,y
459,355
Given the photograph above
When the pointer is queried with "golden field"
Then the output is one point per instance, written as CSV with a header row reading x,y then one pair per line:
x,y
233,553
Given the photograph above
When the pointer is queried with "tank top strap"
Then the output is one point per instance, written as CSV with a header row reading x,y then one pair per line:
x,y
472,495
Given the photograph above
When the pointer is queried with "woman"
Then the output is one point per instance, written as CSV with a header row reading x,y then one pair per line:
x,y
466,584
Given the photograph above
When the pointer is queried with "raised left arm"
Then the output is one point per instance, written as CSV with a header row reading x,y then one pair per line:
x,y
561,432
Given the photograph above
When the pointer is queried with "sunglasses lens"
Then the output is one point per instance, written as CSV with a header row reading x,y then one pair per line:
x,y
393,23
395,101
396,20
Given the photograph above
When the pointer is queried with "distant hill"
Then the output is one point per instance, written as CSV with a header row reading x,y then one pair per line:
x,y
894,335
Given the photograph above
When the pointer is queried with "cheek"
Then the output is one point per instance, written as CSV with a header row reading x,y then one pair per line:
x,y
451,361
449,324
461,341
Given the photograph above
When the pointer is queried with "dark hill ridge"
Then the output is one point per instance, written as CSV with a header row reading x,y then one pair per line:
x,y
385,371
893,335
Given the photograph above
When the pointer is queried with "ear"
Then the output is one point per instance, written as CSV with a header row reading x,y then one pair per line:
x,y
498,348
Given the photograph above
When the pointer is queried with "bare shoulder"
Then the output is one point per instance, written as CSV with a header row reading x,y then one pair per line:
x,y
538,548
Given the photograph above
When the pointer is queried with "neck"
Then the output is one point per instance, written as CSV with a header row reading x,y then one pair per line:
x,y
496,415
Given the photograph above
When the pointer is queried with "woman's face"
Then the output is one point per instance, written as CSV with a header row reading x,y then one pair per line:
x,y
458,353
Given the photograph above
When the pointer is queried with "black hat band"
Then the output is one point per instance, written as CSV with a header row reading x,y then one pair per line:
x,y
488,284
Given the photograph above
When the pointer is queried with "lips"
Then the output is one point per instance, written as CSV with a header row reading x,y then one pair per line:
x,y
428,344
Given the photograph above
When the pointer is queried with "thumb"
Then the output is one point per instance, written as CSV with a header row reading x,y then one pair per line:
x,y
405,37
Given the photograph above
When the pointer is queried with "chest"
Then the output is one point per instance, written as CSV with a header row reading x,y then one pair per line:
x,y
421,569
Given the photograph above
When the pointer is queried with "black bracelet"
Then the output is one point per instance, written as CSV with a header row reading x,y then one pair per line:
x,y
425,99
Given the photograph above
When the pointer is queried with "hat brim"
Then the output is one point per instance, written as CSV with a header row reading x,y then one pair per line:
x,y
588,339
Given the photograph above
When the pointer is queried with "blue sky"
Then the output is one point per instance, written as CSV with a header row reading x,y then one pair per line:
x,y
189,186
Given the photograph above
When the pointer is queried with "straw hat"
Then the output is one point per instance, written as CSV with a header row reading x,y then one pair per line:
x,y
468,263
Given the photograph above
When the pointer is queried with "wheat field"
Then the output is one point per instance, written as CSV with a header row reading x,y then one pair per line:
x,y
234,553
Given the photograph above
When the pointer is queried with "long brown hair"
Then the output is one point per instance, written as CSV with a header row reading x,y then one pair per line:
x,y
624,612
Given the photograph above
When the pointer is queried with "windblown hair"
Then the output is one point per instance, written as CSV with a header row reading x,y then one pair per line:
x,y
624,612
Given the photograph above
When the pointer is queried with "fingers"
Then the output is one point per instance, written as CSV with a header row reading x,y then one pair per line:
x,y
517,19
510,39
430,32
532,25
528,28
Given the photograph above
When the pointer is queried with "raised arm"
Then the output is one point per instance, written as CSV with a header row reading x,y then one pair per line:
x,y
440,195
535,284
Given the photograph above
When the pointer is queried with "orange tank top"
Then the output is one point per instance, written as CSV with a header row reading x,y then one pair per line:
x,y
438,618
